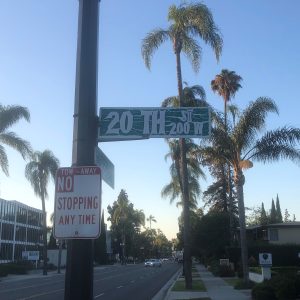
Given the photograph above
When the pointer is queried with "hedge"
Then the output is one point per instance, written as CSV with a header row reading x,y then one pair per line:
x,y
282,255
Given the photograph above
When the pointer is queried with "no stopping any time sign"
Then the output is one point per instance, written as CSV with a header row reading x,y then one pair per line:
x,y
77,205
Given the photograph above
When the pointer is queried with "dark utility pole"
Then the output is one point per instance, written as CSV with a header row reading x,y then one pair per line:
x,y
80,256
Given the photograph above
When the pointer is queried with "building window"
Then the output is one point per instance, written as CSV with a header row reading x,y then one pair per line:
x,y
273,232
20,233
21,215
7,232
6,251
33,218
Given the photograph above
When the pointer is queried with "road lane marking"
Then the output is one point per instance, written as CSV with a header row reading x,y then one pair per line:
x,y
119,287
98,296
132,281
29,286
41,294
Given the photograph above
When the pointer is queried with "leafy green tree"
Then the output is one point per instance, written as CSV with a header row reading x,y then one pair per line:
x,y
125,224
253,216
287,216
52,240
9,115
162,246
273,213
278,210
263,215
100,250
211,236
241,145
38,171
195,216
188,21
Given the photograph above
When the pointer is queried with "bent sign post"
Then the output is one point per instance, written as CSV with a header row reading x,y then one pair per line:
x,y
77,203
120,124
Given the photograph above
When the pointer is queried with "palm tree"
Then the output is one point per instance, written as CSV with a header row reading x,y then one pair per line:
x,y
9,115
187,22
38,171
240,145
193,96
173,190
151,219
226,84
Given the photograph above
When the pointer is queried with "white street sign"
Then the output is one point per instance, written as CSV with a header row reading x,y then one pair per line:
x,y
265,259
77,206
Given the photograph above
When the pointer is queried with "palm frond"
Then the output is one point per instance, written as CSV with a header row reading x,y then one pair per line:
x,y
194,91
12,114
277,144
3,160
193,51
252,121
33,176
152,42
39,170
12,140
201,22
171,102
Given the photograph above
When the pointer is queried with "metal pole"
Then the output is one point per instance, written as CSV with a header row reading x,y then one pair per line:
x,y
80,256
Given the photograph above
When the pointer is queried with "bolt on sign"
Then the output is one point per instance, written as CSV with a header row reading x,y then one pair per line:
x,y
117,124
77,205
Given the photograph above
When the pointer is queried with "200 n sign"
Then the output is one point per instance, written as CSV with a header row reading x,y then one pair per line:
x,y
77,206
143,123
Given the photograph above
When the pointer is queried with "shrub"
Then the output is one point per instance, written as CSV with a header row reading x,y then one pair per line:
x,y
278,287
241,285
252,262
3,271
221,270
51,267
225,271
285,287
13,268
282,255
263,291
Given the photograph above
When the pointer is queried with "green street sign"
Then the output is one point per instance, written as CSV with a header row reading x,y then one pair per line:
x,y
106,166
121,124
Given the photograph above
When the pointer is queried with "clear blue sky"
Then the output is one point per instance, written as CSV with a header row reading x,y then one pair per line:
x,y
37,70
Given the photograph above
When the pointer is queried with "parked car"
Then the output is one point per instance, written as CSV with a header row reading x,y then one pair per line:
x,y
153,262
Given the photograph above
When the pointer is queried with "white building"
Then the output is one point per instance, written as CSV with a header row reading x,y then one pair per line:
x,y
20,230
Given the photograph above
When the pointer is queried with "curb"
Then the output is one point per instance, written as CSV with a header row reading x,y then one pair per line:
x,y
166,289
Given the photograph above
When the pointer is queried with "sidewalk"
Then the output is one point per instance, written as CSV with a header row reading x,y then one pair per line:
x,y
217,289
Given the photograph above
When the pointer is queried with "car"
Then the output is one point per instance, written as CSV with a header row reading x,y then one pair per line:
x,y
153,262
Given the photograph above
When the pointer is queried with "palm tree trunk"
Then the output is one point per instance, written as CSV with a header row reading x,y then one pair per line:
x,y
230,205
44,235
225,114
224,188
239,182
187,262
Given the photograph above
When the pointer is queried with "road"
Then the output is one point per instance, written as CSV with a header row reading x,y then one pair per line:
x,y
111,283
